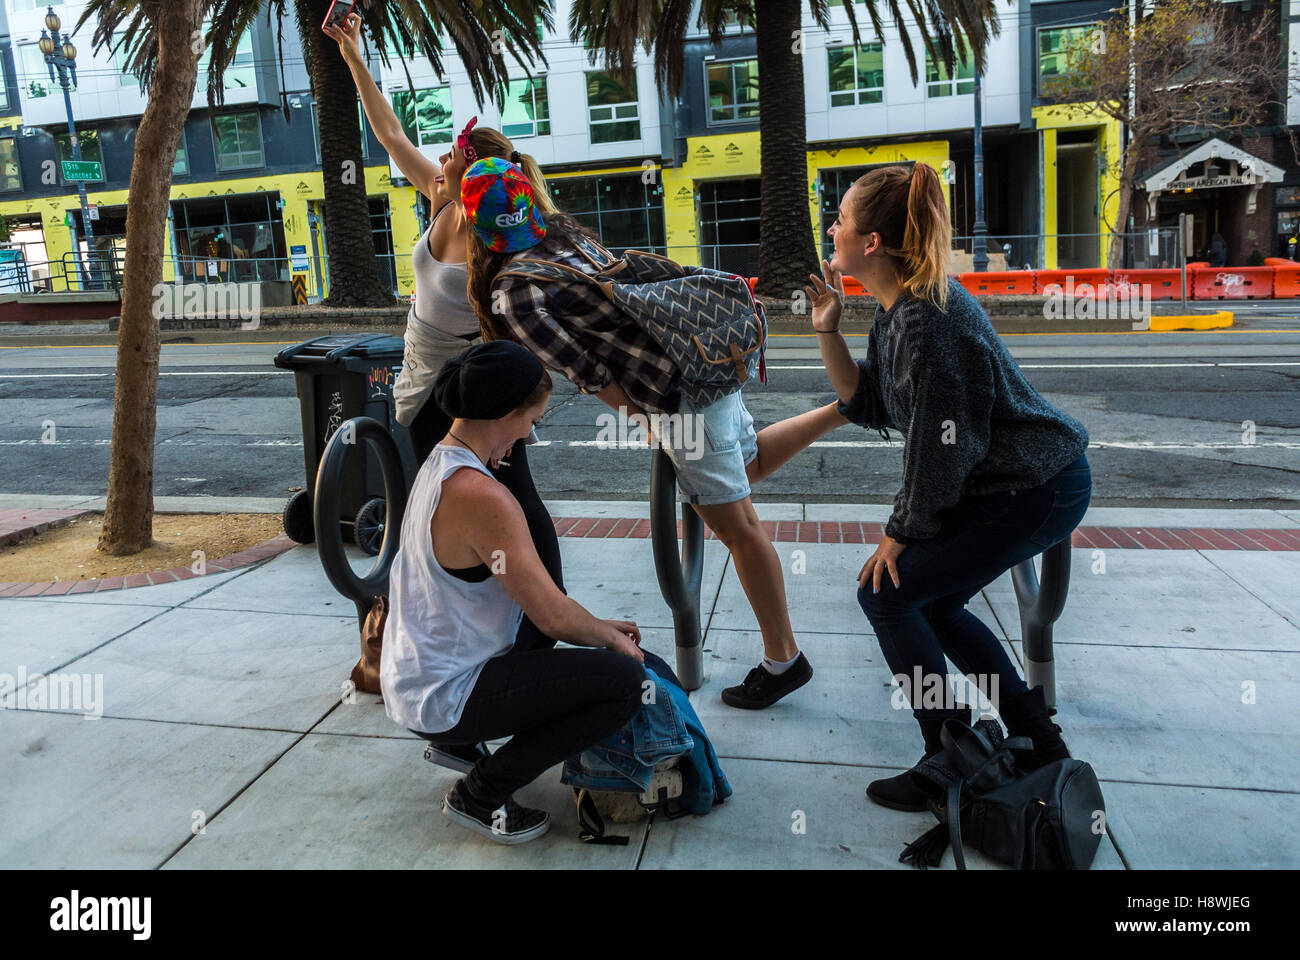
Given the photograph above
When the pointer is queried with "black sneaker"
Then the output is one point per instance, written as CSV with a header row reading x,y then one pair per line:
x,y
762,688
458,758
509,823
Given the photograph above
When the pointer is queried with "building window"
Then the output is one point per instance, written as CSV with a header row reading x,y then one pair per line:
x,y
11,177
238,140
381,231
4,86
181,166
729,221
234,238
612,110
426,117
1055,47
526,113
87,141
35,72
361,119
938,82
733,90
857,74
624,212
241,73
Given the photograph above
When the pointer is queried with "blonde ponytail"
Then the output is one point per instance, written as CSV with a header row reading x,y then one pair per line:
x,y
927,239
541,194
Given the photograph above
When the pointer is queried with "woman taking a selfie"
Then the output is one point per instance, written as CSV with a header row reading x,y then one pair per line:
x,y
468,645
441,322
992,473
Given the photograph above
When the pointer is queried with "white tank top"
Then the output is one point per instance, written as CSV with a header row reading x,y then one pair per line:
x,y
441,630
441,299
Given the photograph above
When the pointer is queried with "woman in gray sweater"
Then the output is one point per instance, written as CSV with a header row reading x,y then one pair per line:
x,y
992,473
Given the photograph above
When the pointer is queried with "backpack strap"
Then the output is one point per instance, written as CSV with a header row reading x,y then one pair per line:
x,y
532,269
954,824
591,825
593,252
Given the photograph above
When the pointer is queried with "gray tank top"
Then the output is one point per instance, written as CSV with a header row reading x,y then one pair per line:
x,y
441,300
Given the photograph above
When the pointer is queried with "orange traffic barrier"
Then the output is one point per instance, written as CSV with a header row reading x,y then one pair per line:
x,y
1231,283
854,289
1014,282
1096,279
1286,277
1164,284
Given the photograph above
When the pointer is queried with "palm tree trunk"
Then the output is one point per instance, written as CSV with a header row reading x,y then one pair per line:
x,y
128,515
786,253
354,277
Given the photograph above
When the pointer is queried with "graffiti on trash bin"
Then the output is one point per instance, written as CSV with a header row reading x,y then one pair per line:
x,y
335,415
380,382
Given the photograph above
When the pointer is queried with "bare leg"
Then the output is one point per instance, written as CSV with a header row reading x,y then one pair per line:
x,y
782,440
759,568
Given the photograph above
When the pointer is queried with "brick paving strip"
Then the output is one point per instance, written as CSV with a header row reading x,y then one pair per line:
x,y
781,531
858,532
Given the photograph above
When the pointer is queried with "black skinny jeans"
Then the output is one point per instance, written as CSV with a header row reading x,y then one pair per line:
x,y
925,617
553,704
429,428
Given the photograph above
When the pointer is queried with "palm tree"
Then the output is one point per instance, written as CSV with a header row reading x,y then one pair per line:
x,y
786,250
480,31
163,41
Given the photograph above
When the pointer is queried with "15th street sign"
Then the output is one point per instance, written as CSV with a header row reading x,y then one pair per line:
x,y
82,171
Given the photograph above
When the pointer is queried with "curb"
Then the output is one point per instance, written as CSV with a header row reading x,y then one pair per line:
x,y
57,588
36,521
1200,321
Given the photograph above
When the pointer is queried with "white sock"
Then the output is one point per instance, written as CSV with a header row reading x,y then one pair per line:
x,y
776,667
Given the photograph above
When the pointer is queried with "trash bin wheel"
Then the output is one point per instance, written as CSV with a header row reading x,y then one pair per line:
x,y
369,530
299,525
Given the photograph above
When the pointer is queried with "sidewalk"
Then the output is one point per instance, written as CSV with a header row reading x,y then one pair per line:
x,y
1178,676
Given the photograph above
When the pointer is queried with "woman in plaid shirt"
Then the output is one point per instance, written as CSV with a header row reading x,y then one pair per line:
x,y
574,329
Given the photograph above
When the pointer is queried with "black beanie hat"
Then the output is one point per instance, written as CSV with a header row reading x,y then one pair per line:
x,y
487,381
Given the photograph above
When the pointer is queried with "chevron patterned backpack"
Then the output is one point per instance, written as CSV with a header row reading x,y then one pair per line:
x,y
706,321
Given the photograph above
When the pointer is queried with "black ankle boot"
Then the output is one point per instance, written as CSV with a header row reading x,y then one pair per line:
x,y
909,790
1025,715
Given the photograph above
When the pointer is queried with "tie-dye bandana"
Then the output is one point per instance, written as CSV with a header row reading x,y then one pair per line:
x,y
498,202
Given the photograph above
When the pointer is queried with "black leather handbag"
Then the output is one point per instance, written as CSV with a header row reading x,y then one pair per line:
x,y
1050,819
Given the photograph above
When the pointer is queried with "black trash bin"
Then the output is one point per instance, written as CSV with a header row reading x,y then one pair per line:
x,y
340,377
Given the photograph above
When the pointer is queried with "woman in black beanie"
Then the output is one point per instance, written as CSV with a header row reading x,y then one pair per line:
x,y
473,615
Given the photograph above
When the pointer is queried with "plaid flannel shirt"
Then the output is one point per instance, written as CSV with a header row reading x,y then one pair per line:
x,y
574,329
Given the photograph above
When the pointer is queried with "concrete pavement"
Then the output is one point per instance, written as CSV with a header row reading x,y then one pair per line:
x,y
223,741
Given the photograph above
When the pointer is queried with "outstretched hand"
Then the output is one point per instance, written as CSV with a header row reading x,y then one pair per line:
x,y
348,37
827,296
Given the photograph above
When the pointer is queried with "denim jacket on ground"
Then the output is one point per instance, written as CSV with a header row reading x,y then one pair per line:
x,y
667,727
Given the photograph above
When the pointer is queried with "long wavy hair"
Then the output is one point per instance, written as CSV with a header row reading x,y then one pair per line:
x,y
484,265
909,212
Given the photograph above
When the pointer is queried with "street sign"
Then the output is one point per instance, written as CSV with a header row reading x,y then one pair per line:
x,y
87,171
94,211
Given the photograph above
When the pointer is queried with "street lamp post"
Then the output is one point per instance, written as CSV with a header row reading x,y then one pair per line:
x,y
62,56
980,258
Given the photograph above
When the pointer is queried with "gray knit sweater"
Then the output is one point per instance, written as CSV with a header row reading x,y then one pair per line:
x,y
972,423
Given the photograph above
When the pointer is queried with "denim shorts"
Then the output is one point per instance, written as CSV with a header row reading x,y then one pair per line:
x,y
711,450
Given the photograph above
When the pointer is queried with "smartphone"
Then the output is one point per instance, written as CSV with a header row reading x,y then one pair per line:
x,y
339,12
